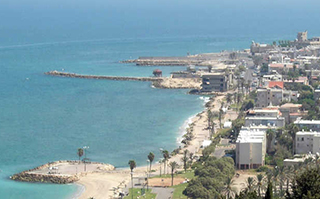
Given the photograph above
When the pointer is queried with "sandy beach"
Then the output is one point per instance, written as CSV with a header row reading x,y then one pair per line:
x,y
102,185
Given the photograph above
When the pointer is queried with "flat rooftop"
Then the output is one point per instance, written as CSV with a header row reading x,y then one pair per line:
x,y
307,122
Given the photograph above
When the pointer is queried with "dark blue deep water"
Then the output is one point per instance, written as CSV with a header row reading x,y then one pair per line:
x,y
45,118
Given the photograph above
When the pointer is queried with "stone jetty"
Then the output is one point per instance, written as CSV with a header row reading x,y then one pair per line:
x,y
157,82
61,172
74,75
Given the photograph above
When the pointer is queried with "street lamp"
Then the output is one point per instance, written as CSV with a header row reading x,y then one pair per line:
x,y
85,157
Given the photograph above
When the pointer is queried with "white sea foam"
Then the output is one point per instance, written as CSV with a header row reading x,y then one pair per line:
x,y
183,128
186,124
205,99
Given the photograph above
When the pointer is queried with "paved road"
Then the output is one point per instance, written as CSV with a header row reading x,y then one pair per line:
x,y
162,193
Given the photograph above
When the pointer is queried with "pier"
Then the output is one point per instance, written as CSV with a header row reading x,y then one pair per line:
x,y
74,75
157,82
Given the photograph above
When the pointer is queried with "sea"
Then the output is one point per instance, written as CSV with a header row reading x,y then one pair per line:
x,y
45,118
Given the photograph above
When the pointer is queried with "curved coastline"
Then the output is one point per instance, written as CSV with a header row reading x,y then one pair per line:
x,y
99,185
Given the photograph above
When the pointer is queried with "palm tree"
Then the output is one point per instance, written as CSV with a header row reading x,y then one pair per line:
x,y
173,166
229,191
80,153
185,159
292,130
191,156
151,158
210,117
235,97
229,98
260,184
220,117
250,184
212,127
133,165
166,156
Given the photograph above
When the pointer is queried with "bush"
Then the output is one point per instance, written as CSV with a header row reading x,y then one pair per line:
x,y
262,169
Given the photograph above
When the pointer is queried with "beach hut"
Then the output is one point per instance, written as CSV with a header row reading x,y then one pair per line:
x,y
157,73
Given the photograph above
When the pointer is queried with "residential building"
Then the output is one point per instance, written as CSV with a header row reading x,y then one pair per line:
x,y
250,149
264,113
307,142
272,77
267,121
316,94
283,67
273,96
260,127
299,80
291,112
218,82
313,125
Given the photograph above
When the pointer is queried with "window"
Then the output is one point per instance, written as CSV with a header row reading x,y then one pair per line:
x,y
298,139
302,139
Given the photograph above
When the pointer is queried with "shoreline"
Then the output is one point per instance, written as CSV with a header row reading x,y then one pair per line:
x,y
101,185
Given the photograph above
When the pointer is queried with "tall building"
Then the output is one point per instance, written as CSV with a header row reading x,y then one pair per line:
x,y
250,149
218,82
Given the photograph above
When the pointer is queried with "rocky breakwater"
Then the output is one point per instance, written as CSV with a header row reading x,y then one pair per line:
x,y
157,82
60,172
74,75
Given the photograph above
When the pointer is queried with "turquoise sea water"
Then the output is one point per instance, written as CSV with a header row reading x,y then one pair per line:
x,y
44,118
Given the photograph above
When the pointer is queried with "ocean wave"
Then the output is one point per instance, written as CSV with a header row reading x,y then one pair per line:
x,y
205,99
183,128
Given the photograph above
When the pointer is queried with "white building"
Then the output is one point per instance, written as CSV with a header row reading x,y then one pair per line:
x,y
307,142
266,121
250,149
264,113
313,125
260,127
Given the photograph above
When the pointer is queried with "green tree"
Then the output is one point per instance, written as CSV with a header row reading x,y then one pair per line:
x,y
132,165
292,130
166,156
250,184
174,165
229,98
269,193
185,160
80,153
306,185
151,158
260,184
220,117
229,191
